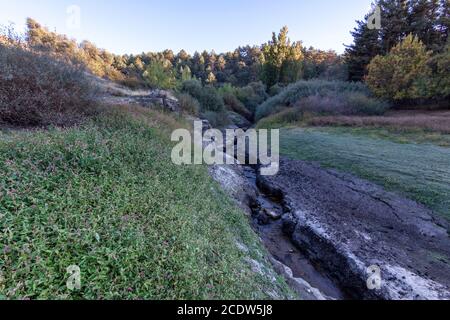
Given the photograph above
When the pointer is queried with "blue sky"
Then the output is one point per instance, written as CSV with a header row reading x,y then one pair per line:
x,y
134,26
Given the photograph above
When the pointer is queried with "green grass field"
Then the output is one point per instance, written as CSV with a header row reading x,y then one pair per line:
x,y
420,171
106,197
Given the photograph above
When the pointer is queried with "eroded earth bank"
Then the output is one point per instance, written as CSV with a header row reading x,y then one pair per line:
x,y
327,230
324,229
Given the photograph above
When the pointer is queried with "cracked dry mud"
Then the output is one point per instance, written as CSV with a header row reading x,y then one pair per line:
x,y
346,225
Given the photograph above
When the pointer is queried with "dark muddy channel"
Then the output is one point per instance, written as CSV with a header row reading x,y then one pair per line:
x,y
268,211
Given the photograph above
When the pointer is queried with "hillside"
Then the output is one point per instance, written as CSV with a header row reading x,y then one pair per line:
x,y
103,196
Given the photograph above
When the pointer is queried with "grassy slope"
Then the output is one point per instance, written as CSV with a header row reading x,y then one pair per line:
x,y
420,171
106,197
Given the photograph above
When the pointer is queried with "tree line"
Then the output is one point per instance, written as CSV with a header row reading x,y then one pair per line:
x,y
276,62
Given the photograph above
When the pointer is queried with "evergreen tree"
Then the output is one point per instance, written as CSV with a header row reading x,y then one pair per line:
x,y
423,20
366,46
443,24
440,81
158,76
278,55
395,22
186,73
426,19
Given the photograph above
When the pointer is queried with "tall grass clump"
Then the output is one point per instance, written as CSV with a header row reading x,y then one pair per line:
x,y
36,89
354,96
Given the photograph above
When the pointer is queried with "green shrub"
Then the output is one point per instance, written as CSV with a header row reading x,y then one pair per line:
x,y
275,89
227,88
193,87
189,104
361,104
252,95
403,73
346,103
157,76
36,89
209,97
304,89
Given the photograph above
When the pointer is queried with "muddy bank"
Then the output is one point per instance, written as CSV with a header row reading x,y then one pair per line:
x,y
328,232
267,213
345,225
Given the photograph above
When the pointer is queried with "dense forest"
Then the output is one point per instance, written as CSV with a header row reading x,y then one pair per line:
x,y
406,61
244,65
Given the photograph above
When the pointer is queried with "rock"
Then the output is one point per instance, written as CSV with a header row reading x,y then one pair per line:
x,y
272,214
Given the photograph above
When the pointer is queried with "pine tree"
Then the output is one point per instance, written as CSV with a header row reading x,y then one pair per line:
x,y
186,73
395,23
280,54
423,19
426,19
366,46
403,73
443,24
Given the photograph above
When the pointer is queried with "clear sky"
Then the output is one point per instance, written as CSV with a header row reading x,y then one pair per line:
x,y
135,26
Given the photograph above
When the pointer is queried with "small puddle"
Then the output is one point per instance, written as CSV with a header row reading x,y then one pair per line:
x,y
268,224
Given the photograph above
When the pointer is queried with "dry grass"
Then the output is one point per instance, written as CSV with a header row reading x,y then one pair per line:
x,y
38,90
435,121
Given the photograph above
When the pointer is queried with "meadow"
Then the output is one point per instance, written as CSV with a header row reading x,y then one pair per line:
x,y
404,163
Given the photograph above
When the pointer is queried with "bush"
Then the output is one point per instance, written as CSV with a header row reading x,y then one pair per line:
x,y
403,73
99,62
304,89
209,98
36,89
284,117
252,95
157,76
344,104
440,80
193,87
353,103
189,104
276,89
